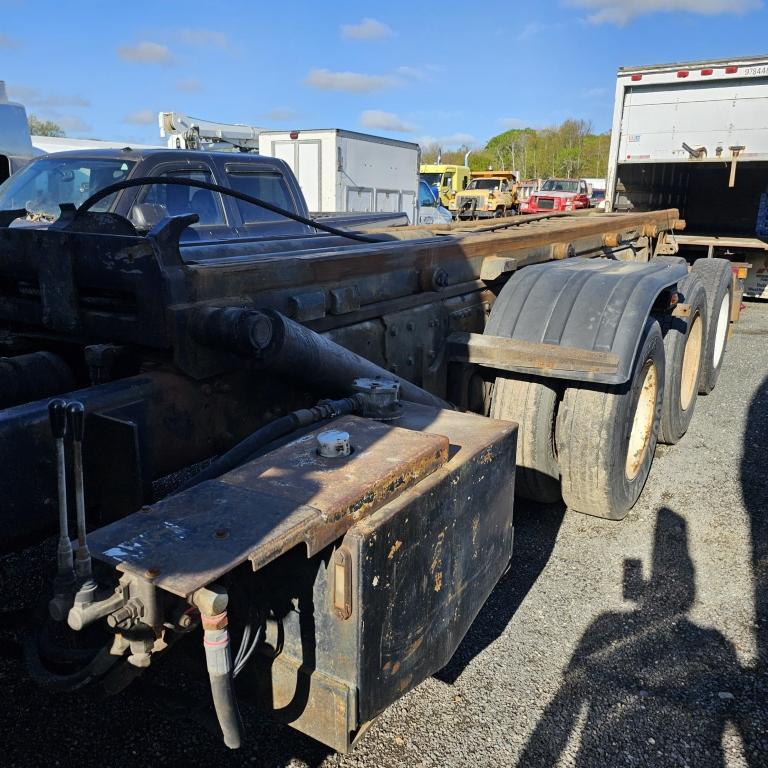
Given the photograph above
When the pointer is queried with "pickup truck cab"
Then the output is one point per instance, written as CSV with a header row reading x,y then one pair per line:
x,y
431,211
560,195
71,177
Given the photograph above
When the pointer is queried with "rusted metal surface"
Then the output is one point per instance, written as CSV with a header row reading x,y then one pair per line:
x,y
268,506
493,267
510,354
81,289
385,461
422,565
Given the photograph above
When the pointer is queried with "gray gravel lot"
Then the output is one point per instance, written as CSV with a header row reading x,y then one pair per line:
x,y
640,643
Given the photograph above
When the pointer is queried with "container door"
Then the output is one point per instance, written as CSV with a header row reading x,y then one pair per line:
x,y
285,150
308,173
387,200
408,204
359,199
658,119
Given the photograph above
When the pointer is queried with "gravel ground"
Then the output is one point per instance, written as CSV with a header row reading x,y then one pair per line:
x,y
641,643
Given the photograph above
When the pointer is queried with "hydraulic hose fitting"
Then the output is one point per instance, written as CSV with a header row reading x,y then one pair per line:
x,y
212,603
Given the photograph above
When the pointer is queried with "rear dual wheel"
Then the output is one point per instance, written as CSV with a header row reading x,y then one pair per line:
x,y
606,435
684,348
593,447
532,403
715,275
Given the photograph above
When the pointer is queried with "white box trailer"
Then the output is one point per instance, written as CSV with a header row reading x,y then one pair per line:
x,y
694,136
344,171
16,148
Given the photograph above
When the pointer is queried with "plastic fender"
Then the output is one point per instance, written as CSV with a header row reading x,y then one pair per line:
x,y
592,304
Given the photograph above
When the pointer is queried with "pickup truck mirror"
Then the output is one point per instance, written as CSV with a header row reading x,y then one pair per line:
x,y
144,216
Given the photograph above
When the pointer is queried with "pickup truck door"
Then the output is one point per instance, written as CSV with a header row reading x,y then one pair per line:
x,y
266,183
214,224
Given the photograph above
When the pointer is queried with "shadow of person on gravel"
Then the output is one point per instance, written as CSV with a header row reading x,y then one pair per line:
x,y
536,529
754,489
647,687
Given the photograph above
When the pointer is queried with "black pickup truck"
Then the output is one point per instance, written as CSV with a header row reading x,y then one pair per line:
x,y
72,177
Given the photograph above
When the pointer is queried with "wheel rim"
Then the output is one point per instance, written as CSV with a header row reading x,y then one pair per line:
x,y
689,375
642,422
722,330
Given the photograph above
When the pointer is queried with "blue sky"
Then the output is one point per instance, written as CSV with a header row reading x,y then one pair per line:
x,y
428,71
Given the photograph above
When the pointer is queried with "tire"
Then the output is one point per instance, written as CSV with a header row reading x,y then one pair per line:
x,y
601,474
684,349
715,275
532,404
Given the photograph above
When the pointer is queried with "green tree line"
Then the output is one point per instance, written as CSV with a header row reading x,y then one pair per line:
x,y
39,127
569,150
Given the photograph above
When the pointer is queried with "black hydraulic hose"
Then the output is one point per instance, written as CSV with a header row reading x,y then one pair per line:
x,y
142,181
227,712
276,429
282,345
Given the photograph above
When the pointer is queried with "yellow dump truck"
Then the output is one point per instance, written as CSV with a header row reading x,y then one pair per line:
x,y
446,181
488,194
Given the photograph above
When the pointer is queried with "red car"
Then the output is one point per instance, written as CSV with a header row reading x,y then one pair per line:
x,y
560,195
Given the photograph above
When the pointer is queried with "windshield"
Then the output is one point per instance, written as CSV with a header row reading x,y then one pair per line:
x,y
432,179
560,185
49,181
484,184
426,196
598,194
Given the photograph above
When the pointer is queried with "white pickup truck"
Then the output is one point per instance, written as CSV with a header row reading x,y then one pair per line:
x,y
694,136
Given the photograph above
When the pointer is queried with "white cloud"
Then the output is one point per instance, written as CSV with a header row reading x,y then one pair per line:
x,y
508,123
204,38
145,53
72,123
451,141
32,97
141,117
280,114
8,42
353,82
384,121
623,11
189,85
367,29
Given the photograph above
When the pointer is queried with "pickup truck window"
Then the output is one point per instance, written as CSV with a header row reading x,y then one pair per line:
x,y
49,181
177,200
560,185
269,186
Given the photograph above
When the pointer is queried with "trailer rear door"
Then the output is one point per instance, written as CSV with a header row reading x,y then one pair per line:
x,y
657,119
